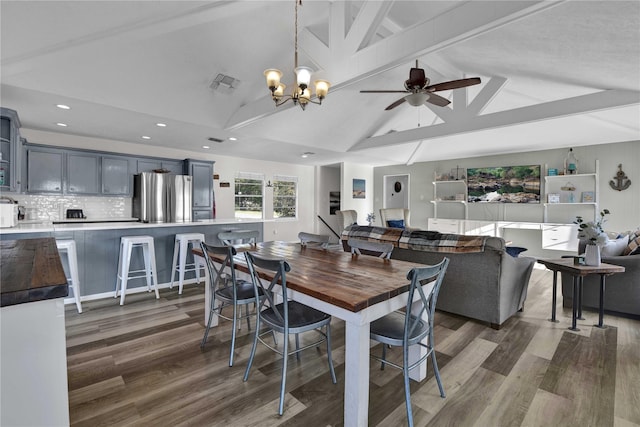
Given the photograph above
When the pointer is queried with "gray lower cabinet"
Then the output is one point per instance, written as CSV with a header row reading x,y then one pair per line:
x,y
44,171
116,178
82,173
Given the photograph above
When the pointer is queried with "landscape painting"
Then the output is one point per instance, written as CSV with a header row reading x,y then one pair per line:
x,y
359,191
505,184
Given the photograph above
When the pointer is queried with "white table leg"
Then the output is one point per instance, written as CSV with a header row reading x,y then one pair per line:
x,y
356,383
417,351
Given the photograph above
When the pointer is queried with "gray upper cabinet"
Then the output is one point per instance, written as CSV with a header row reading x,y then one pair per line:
x,y
148,165
82,173
116,179
202,173
10,150
44,171
174,167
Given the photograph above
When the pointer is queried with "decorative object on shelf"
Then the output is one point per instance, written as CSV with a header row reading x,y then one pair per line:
x,y
301,93
587,197
570,163
553,198
457,174
592,232
371,217
592,255
569,188
620,181
552,172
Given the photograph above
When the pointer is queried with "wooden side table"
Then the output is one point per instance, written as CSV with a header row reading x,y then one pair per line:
x,y
578,272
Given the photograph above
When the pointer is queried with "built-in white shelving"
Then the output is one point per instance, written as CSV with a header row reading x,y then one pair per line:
x,y
566,196
450,192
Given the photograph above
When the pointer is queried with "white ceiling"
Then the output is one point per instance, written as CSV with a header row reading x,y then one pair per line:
x,y
554,74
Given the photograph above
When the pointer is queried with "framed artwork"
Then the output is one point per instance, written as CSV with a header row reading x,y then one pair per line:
x,y
359,190
553,198
587,197
334,202
504,184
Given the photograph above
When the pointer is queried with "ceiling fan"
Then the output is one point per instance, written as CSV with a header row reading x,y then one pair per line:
x,y
419,91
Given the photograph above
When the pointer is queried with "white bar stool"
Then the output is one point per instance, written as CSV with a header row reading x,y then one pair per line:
x,y
69,246
180,252
127,243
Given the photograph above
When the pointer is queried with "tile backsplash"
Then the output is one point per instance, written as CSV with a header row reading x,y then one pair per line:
x,y
54,207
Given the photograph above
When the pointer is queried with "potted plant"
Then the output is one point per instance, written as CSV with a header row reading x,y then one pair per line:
x,y
593,235
371,217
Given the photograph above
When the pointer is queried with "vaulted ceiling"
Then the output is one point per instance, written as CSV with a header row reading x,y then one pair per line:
x,y
554,74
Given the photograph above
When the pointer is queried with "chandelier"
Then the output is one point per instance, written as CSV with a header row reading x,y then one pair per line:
x,y
301,93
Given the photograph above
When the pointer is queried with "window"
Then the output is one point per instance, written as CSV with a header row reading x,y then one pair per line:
x,y
249,195
285,196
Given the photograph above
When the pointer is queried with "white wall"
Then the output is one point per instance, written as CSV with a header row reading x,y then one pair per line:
x,y
226,167
364,206
624,205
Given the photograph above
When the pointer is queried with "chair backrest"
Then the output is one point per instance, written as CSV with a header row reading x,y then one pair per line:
x,y
216,274
427,282
235,237
305,238
394,214
383,250
281,267
347,218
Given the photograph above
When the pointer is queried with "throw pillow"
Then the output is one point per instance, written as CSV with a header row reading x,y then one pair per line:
x,y
395,223
615,247
633,248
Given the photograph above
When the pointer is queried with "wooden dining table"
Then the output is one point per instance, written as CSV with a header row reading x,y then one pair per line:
x,y
356,289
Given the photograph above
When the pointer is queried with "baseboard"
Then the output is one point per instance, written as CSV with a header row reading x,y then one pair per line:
x,y
135,290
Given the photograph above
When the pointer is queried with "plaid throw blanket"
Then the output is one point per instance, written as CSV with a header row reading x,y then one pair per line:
x,y
432,241
365,232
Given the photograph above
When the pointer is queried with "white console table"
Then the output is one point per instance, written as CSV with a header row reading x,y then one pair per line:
x,y
561,237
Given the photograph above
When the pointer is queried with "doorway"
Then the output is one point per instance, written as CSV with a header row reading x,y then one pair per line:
x,y
396,191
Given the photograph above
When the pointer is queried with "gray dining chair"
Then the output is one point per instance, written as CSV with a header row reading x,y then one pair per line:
x,y
235,237
287,317
305,238
408,327
227,291
380,249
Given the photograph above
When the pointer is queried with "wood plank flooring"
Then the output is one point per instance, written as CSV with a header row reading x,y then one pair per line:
x,y
141,364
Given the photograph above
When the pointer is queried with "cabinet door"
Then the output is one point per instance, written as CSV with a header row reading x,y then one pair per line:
x,y
116,179
82,174
148,165
202,174
198,215
44,171
175,168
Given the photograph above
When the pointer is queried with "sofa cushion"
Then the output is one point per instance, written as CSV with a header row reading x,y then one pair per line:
x,y
615,247
633,248
396,223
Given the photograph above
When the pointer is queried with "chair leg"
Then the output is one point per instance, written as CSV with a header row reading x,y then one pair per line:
x,y
283,382
176,247
384,356
212,306
298,346
436,371
253,349
233,332
246,312
330,359
407,389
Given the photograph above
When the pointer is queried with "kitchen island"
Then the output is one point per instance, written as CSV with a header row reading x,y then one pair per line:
x,y
33,355
98,246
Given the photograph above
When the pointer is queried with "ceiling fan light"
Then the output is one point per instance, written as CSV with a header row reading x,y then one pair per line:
x,y
322,88
303,76
273,78
417,99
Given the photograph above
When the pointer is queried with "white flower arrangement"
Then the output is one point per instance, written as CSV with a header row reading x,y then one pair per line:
x,y
593,232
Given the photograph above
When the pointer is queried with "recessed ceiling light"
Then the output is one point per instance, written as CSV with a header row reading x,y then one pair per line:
x,y
205,146
307,154
161,125
146,137
233,138
64,125
64,107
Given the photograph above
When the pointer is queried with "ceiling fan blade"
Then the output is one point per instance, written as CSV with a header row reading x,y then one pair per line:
x,y
395,104
438,100
453,84
384,91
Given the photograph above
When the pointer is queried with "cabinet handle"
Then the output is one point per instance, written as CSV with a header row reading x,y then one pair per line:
x,y
57,188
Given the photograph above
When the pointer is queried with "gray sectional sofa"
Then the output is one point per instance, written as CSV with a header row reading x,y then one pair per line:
x,y
482,282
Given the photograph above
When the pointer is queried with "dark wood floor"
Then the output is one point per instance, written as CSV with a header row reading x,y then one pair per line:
x,y
141,364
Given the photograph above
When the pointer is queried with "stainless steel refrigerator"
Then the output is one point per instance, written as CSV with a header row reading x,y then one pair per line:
x,y
161,197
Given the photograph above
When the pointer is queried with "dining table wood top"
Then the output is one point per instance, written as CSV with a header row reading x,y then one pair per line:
x,y
352,282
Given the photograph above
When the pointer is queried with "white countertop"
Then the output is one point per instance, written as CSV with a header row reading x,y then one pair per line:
x,y
49,227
